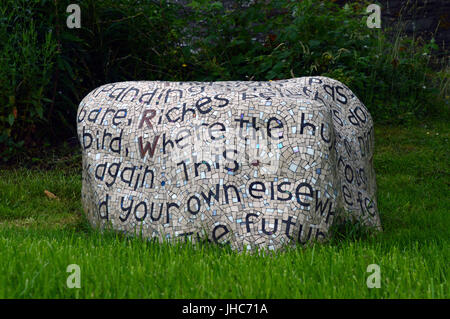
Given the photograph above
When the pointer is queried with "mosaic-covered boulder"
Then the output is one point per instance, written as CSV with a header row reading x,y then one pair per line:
x,y
251,164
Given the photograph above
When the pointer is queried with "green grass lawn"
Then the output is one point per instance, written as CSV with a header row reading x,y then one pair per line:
x,y
40,237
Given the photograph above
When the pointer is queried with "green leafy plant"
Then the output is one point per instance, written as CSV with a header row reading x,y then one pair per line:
x,y
47,68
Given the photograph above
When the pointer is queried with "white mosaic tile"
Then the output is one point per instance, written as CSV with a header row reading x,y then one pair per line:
x,y
250,164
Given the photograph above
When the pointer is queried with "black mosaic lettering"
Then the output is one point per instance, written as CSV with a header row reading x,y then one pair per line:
x,y
250,164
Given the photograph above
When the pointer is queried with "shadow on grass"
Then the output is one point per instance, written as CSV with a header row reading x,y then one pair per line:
x,y
346,230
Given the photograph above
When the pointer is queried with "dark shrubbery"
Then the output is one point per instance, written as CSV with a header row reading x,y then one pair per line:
x,y
47,68
27,56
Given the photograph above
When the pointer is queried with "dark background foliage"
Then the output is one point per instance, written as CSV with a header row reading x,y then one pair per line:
x,y
47,68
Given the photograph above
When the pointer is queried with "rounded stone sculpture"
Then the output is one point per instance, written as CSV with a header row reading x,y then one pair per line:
x,y
250,164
